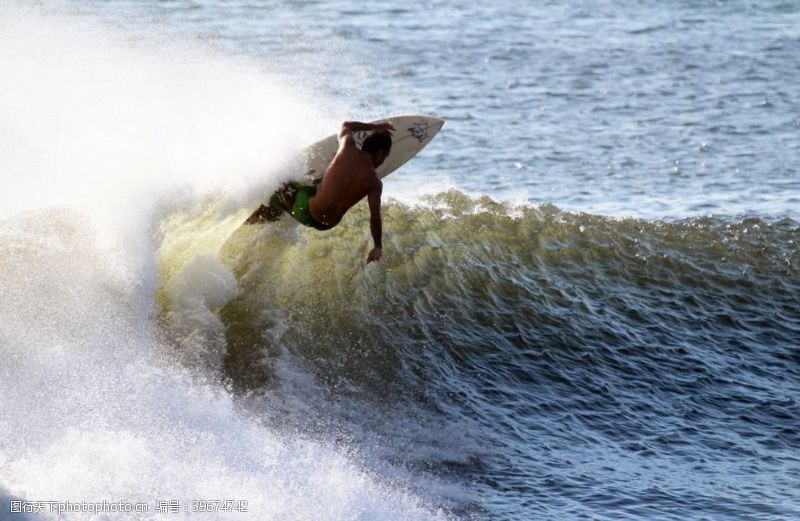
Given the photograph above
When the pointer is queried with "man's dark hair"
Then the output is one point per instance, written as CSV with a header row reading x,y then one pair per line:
x,y
376,142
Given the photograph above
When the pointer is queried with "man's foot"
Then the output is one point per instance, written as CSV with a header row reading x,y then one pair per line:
x,y
281,201
265,214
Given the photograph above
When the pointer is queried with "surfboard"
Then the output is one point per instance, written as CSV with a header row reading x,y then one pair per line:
x,y
412,134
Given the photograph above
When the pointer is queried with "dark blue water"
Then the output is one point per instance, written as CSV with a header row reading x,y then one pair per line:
x,y
588,305
610,107
554,365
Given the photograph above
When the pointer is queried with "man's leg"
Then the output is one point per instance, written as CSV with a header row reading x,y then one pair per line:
x,y
281,201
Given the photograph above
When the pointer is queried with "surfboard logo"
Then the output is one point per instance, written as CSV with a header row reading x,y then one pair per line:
x,y
419,131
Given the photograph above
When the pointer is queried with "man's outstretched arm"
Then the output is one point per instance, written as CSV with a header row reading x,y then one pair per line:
x,y
375,224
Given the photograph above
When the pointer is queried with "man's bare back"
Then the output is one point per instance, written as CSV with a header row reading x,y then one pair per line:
x,y
349,178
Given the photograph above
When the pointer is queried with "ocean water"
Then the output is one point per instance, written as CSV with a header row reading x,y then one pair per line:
x,y
588,305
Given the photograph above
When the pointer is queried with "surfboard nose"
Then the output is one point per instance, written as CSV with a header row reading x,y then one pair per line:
x,y
432,121
424,124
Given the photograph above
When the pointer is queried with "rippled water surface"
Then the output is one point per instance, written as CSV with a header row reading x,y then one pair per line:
x,y
588,305
621,108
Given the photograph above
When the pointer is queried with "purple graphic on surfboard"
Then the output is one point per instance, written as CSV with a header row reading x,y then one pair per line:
x,y
419,131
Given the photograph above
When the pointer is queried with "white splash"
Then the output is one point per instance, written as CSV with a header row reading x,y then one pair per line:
x,y
102,133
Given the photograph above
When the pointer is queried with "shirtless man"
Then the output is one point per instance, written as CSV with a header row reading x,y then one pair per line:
x,y
350,177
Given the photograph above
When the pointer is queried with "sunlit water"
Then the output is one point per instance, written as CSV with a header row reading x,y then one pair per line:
x,y
588,305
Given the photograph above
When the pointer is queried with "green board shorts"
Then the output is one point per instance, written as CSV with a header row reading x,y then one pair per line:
x,y
300,210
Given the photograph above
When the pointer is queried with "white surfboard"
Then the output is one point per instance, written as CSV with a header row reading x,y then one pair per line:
x,y
412,134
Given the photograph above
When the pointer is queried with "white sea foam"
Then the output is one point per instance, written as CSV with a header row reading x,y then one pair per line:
x,y
103,132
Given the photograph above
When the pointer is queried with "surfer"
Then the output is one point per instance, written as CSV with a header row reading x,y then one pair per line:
x,y
350,177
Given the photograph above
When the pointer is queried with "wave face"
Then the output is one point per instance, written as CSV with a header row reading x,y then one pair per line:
x,y
501,361
530,353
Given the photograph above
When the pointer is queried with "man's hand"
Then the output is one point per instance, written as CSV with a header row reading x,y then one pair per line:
x,y
384,127
374,255
357,126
